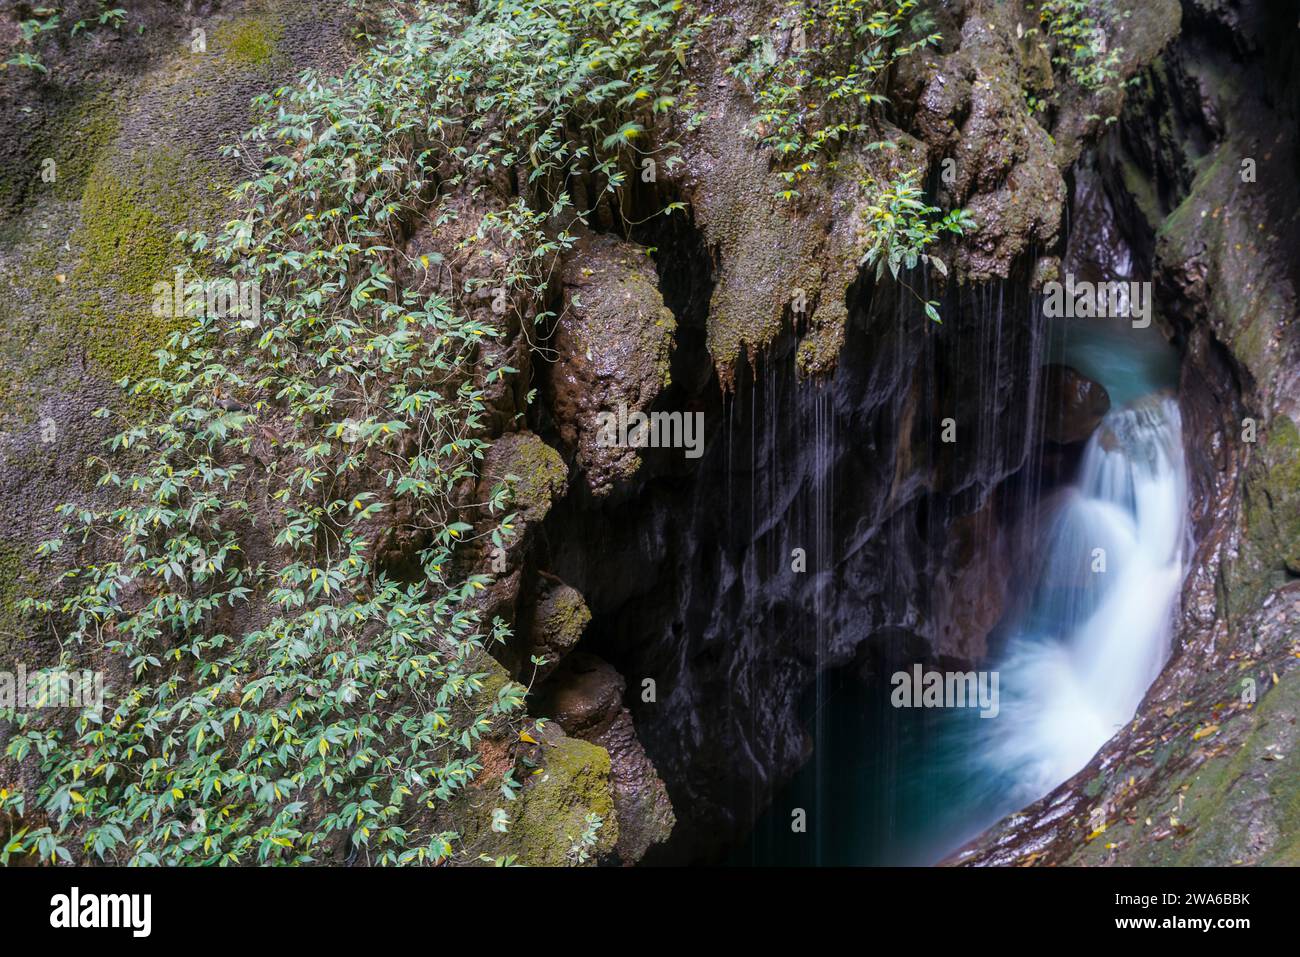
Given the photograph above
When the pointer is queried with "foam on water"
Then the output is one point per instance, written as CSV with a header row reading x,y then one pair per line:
x,y
1099,629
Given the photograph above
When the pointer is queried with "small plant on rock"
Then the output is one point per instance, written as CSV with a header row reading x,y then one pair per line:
x,y
899,227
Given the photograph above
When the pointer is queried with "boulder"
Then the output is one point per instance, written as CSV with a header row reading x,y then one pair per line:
x,y
613,342
1075,405
586,698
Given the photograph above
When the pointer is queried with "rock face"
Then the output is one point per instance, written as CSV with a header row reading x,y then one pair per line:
x,y
546,822
963,111
559,618
134,123
826,513
816,518
973,110
1075,405
612,344
81,247
830,506
586,698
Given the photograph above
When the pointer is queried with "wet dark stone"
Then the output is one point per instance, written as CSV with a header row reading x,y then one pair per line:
x,y
1075,405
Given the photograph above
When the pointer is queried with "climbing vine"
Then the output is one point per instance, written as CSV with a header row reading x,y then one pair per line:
x,y
289,694
822,91
49,22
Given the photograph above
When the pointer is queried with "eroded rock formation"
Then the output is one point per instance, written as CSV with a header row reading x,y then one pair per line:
x,y
669,615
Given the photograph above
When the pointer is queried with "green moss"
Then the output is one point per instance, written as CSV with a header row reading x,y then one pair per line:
x,y
1239,805
575,782
540,473
616,309
1284,794
72,138
1094,787
548,816
1231,801
485,700
1245,283
564,617
126,244
12,590
249,41
128,223
91,126
1270,552
1280,477
1142,188
28,288
636,292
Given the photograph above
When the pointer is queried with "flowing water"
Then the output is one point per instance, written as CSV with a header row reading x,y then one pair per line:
x,y
1098,629
1092,631
1110,562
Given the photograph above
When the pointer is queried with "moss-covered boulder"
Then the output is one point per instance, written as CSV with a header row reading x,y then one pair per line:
x,y
574,783
560,616
533,472
585,696
549,822
613,341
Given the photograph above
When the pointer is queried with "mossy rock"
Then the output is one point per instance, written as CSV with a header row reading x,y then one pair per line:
x,y
575,782
128,221
13,586
85,129
1244,808
1273,504
560,618
534,471
1270,552
492,686
1220,247
549,816
251,41
614,342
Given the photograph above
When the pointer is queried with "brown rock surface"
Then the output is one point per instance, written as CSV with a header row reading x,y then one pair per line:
x,y
1075,405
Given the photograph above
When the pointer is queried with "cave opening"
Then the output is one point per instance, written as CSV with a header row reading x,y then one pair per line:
x,y
829,537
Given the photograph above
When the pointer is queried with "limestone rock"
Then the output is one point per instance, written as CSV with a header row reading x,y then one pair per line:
x,y
586,699
613,341
1075,405
559,618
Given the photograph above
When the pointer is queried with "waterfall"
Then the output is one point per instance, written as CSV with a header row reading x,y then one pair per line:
x,y
1091,591
1097,631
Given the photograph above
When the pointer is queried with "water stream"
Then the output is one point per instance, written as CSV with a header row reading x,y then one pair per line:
x,y
1098,628
1074,658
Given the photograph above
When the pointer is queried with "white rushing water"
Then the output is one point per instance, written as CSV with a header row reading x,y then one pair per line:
x,y
1098,631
